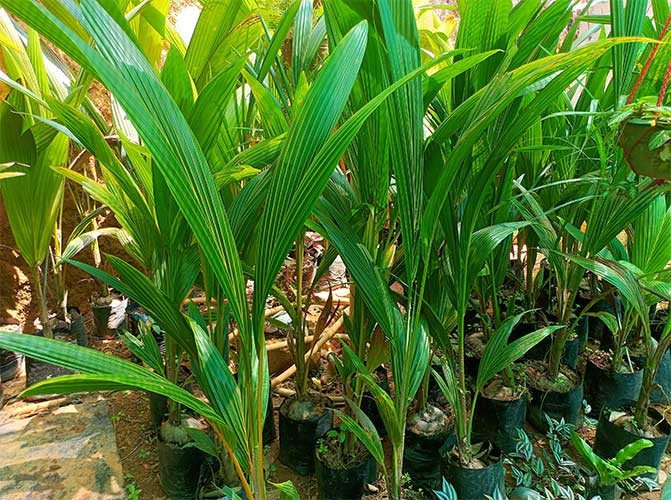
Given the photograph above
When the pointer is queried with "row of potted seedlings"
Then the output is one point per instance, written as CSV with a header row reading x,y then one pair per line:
x,y
310,444
605,362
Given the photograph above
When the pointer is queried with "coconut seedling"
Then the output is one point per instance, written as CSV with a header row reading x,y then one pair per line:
x,y
33,199
153,233
33,190
625,424
614,373
607,211
350,455
498,356
622,424
307,414
389,59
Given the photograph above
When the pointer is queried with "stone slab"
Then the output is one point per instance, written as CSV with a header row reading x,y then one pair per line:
x,y
66,450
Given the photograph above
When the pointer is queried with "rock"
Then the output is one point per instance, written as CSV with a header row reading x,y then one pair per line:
x,y
66,452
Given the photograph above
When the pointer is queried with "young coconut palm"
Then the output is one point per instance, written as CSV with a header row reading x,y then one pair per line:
x,y
606,210
28,147
311,148
624,423
646,253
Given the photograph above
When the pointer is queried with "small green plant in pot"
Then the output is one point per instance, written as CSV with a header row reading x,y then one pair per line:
x,y
611,480
348,457
630,421
343,465
179,455
502,403
159,241
610,208
475,469
305,417
145,347
612,377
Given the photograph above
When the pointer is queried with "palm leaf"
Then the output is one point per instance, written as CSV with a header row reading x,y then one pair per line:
x,y
617,275
499,354
99,372
297,180
222,392
138,287
364,430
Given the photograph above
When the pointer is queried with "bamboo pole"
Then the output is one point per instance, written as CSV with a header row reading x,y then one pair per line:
x,y
327,335
288,393
276,346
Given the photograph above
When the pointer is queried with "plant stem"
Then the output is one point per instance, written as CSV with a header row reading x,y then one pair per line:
x,y
496,307
560,337
301,378
397,470
616,362
469,430
42,303
649,375
174,416
258,476
643,403
423,393
621,340
357,307
529,281
236,463
508,377
463,437
556,351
